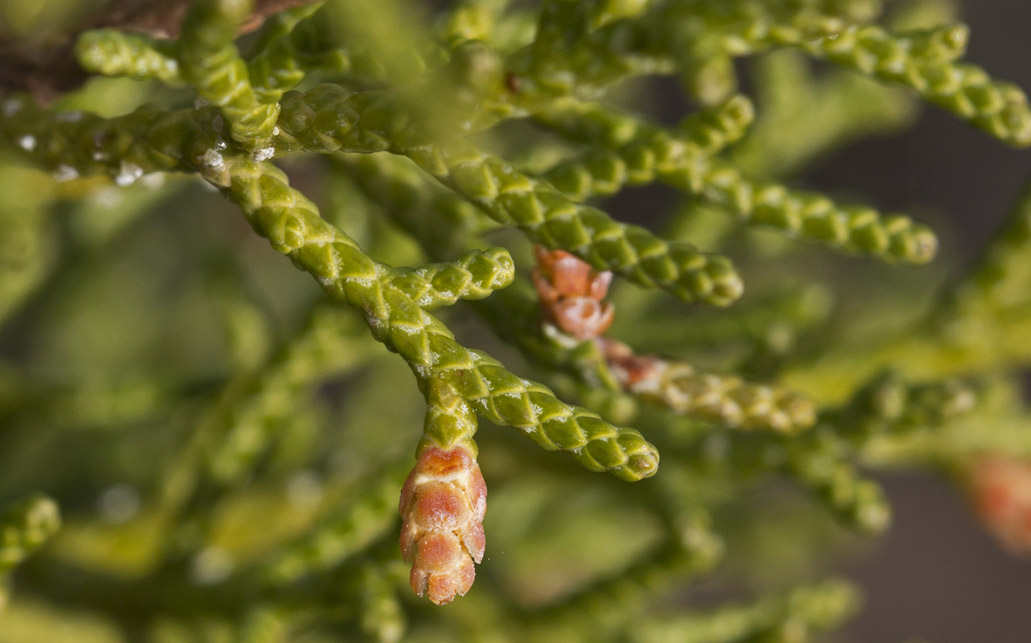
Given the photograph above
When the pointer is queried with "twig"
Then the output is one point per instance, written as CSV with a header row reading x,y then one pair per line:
x,y
48,70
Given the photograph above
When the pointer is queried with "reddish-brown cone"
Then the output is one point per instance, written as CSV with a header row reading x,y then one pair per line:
x,y
1001,488
572,293
443,502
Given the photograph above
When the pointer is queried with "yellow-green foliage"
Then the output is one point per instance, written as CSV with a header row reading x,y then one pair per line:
x,y
227,440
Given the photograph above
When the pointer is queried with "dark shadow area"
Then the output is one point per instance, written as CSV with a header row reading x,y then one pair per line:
x,y
938,576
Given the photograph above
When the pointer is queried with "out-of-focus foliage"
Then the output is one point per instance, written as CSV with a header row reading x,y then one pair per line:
x,y
228,440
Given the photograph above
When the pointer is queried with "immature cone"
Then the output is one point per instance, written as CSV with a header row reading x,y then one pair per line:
x,y
572,293
443,502
1001,488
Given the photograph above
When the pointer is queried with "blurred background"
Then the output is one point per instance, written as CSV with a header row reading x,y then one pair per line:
x,y
936,575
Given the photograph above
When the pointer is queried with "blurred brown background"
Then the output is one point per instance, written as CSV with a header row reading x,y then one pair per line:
x,y
937,576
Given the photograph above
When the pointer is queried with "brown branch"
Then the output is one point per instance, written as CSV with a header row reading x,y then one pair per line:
x,y
48,70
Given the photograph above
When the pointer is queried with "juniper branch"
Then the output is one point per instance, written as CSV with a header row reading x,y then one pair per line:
x,y
989,305
327,118
653,153
726,400
924,61
491,67
293,226
210,62
369,515
790,617
551,220
608,606
114,53
822,465
24,527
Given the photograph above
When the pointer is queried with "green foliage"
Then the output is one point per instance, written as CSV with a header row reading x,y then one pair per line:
x,y
248,440
26,526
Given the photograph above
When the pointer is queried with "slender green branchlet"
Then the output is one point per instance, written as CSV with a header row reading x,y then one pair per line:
x,y
476,192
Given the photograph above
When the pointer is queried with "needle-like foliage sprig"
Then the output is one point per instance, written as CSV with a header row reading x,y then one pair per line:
x,y
433,135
